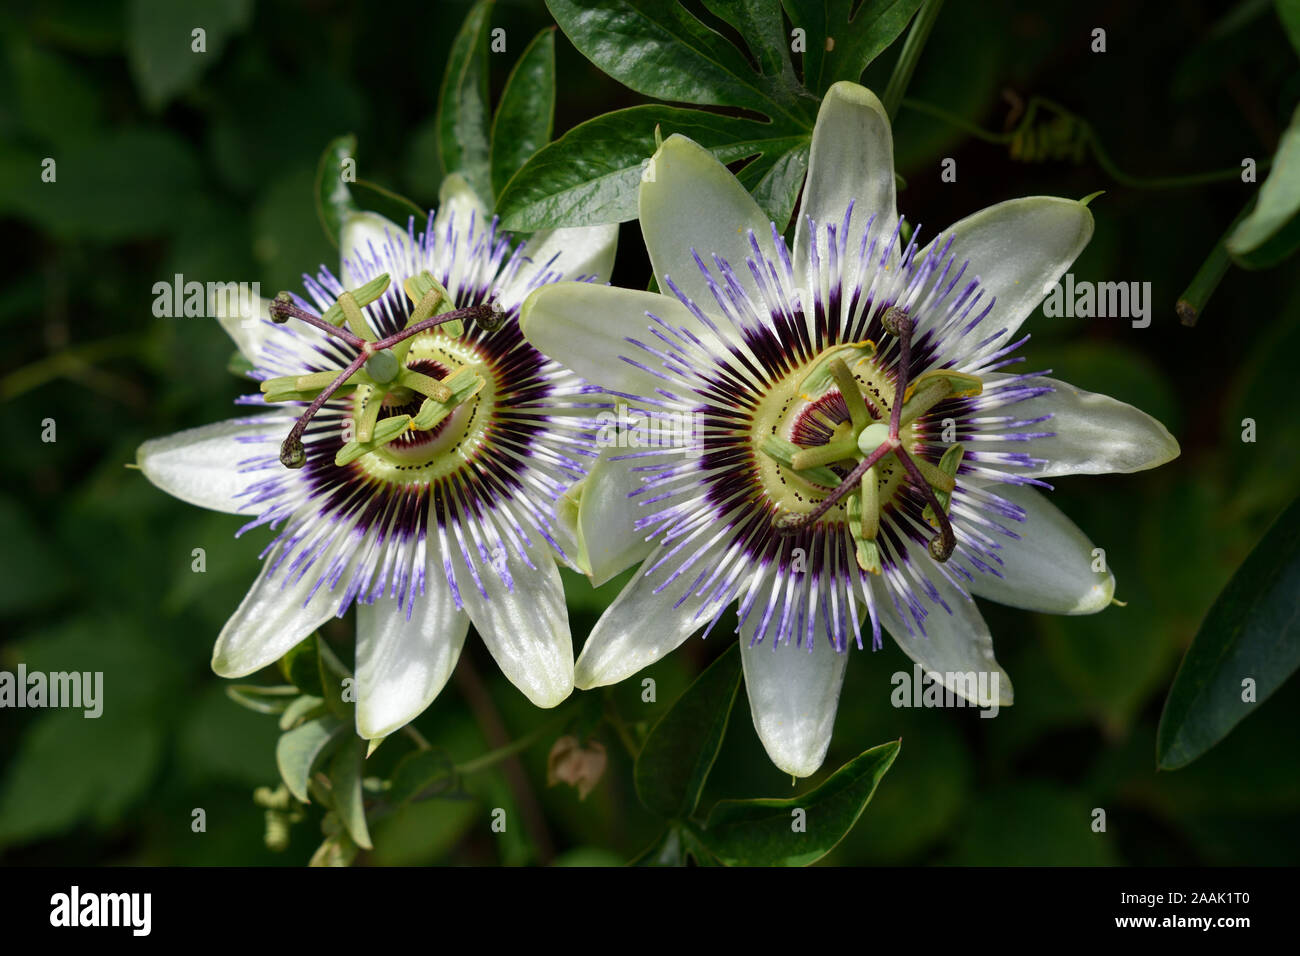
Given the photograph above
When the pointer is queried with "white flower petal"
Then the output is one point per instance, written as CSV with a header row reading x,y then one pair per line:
x,y
586,327
1094,434
403,664
1050,568
689,200
606,517
525,627
852,159
202,466
456,197
366,236
572,253
956,648
641,626
793,694
279,611
248,332
1017,249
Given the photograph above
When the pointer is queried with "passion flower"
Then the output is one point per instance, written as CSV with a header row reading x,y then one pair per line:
x,y
862,461
412,462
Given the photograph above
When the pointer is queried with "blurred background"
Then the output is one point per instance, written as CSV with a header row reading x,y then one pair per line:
x,y
203,165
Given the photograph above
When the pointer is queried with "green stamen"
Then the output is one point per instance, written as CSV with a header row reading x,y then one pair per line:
x,y
850,392
784,451
384,432
948,466
337,313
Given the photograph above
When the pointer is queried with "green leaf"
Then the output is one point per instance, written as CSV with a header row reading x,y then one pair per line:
x,y
128,183
666,850
676,758
334,202
591,174
526,113
67,768
332,675
160,42
857,39
464,138
1279,197
661,49
345,778
1031,824
764,832
57,101
336,850
260,699
1288,11
1274,249
299,751
1252,631
302,709
417,772
301,667
760,24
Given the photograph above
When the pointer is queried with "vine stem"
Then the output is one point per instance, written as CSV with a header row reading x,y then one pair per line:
x,y
907,60
493,757
489,721
1197,294
1095,147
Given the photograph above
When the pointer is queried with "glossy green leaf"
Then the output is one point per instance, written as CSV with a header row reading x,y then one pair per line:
x,y
662,50
771,832
1279,197
526,113
855,40
676,758
1252,633
464,119
591,174
761,26
346,771
334,202
299,751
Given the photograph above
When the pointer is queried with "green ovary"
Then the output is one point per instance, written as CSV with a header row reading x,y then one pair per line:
x,y
426,455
